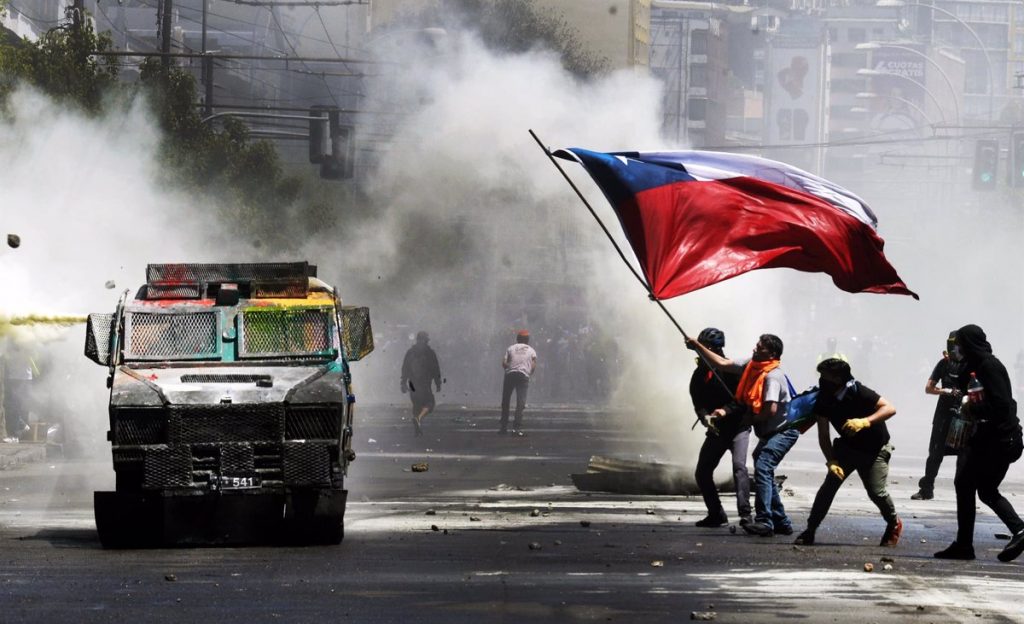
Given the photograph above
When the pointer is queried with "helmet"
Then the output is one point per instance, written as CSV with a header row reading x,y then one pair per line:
x,y
711,337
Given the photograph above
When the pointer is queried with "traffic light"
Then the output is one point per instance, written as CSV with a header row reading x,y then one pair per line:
x,y
1016,159
339,162
318,147
986,162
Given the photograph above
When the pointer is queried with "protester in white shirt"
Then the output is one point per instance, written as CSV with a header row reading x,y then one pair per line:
x,y
519,363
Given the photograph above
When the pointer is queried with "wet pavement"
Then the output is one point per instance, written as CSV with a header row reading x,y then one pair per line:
x,y
493,531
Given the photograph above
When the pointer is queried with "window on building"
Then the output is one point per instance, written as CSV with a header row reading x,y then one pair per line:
x,y
698,75
697,109
699,42
856,35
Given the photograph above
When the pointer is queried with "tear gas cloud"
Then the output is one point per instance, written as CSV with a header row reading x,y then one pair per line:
x,y
81,195
479,235
464,194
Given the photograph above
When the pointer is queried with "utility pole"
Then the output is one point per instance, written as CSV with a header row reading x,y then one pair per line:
x,y
167,8
207,67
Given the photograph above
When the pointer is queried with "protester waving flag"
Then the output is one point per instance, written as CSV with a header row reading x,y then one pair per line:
x,y
696,218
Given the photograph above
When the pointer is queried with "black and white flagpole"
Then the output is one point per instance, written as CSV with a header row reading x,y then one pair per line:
x,y
636,274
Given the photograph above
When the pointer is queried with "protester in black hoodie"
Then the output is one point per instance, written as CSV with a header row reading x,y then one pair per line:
x,y
995,444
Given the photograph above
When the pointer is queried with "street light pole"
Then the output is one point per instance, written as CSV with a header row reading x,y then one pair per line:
x,y
981,44
875,45
871,95
876,72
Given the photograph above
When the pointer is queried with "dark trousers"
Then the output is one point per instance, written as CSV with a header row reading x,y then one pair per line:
x,y
520,383
936,451
711,453
980,472
874,474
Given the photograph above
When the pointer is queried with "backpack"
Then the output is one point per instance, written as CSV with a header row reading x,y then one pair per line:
x,y
800,409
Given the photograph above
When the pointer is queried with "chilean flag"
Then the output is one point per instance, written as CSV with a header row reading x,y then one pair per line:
x,y
696,218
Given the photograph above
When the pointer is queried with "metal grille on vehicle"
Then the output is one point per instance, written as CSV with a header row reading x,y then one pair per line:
x,y
140,426
160,336
236,459
306,464
198,424
167,467
224,378
312,422
285,332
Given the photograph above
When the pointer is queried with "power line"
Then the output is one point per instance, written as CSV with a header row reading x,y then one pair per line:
x,y
294,3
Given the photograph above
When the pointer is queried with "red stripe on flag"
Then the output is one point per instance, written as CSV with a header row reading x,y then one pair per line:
x,y
689,235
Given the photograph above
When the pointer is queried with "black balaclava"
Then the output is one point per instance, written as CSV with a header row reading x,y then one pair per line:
x,y
973,344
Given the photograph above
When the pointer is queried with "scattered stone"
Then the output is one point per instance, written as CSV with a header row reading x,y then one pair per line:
x,y
888,559
650,512
699,544
535,513
887,567
869,567
474,519
584,523
558,542
13,241
535,546
446,531
430,512
434,527
420,467
657,563
920,607
702,616
170,577
732,529
109,284
371,441
924,541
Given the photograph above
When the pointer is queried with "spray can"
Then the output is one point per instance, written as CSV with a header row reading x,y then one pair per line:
x,y
975,391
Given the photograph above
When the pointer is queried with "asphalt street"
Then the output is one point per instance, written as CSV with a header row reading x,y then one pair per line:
x,y
494,531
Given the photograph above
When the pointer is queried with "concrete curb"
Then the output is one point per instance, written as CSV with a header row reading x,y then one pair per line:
x,y
12,455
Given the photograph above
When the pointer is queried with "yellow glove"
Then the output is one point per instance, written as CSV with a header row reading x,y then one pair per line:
x,y
836,469
854,425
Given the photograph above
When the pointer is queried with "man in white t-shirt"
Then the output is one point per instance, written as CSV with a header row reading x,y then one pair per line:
x,y
519,362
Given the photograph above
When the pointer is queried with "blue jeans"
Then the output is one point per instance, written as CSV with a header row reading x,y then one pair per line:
x,y
768,455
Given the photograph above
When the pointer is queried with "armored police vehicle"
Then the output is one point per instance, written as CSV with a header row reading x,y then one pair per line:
x,y
231,405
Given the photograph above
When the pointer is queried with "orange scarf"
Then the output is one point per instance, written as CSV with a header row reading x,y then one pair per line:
x,y
750,390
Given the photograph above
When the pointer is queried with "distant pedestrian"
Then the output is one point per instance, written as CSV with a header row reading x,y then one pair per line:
x,y
419,368
995,444
949,381
858,414
726,434
519,363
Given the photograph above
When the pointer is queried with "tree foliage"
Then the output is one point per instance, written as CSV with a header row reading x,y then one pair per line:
x,y
516,26
63,65
243,177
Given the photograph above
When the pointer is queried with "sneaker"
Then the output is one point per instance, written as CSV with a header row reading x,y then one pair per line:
x,y
892,534
712,521
956,551
923,495
745,520
1014,548
783,530
805,539
758,528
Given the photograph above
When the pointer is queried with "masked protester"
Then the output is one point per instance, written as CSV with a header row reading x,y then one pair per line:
x,y
858,414
761,397
949,381
992,447
727,434
419,368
